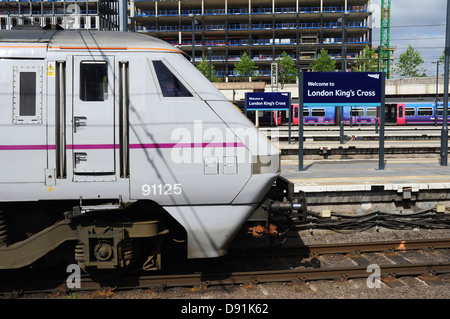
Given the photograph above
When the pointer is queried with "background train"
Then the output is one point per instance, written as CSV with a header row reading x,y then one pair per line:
x,y
395,114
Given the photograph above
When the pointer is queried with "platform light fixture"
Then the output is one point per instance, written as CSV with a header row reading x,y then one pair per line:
x,y
194,22
436,99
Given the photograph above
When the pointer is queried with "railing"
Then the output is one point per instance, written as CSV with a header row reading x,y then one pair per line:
x,y
258,42
46,12
144,28
282,10
265,26
188,27
338,25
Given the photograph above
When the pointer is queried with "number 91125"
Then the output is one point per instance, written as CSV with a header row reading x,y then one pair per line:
x,y
162,189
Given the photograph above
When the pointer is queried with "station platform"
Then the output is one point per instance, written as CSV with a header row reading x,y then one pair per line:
x,y
358,186
339,175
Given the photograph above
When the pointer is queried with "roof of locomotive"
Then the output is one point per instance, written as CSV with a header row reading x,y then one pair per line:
x,y
86,40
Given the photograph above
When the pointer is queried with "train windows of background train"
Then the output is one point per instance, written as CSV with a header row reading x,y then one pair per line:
x,y
371,112
424,111
93,81
305,112
317,112
410,111
170,85
357,112
440,111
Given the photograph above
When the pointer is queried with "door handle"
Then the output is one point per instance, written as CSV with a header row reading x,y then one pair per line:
x,y
80,157
80,121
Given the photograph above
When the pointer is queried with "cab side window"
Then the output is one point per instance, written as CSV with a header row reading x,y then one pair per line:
x,y
27,100
27,95
93,81
170,85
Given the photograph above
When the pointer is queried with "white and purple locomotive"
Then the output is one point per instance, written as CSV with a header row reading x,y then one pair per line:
x,y
111,145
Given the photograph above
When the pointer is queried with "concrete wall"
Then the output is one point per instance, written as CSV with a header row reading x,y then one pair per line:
x,y
414,86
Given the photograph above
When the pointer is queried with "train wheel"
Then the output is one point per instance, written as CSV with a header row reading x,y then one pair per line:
x,y
105,260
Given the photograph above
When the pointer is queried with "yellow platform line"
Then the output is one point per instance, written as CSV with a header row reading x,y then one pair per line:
x,y
368,178
368,161
352,169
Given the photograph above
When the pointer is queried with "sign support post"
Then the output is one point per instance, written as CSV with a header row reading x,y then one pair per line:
x,y
341,124
300,121
382,115
290,118
444,130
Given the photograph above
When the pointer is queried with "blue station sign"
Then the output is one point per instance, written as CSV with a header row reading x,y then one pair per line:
x,y
267,101
342,88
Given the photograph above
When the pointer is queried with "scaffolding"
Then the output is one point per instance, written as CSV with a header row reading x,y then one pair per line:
x,y
261,28
85,14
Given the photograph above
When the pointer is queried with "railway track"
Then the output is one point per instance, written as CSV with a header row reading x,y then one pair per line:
x,y
357,141
295,264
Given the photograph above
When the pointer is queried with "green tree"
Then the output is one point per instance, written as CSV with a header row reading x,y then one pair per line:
x,y
323,63
245,68
410,64
367,61
441,61
204,68
286,69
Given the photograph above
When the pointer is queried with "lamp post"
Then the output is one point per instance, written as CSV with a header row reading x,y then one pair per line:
x,y
444,131
343,20
436,99
194,22
210,67
300,112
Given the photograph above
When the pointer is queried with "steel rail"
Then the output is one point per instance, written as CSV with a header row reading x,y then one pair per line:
x,y
217,277
358,248
331,273
381,246
256,277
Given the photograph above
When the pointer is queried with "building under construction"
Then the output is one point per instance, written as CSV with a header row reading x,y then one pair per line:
x,y
222,30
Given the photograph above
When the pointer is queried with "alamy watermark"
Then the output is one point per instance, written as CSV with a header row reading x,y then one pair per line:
x,y
193,143
374,279
74,279
73,20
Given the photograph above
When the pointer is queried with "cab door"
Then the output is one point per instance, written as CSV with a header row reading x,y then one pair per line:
x,y
93,115
23,140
